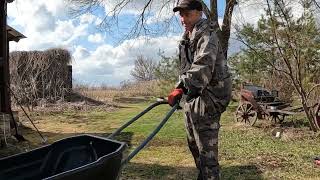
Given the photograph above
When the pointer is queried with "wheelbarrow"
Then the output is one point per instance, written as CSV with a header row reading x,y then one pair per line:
x,y
80,157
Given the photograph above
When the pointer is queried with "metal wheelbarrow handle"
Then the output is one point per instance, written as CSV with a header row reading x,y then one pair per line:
x,y
151,135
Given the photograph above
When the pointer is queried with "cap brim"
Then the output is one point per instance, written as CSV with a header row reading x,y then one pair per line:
x,y
178,8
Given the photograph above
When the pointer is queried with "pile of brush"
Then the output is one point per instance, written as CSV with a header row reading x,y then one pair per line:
x,y
40,75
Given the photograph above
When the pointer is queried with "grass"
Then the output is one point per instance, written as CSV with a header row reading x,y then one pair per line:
x,y
128,89
245,152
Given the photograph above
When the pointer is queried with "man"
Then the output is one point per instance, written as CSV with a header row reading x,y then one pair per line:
x,y
205,86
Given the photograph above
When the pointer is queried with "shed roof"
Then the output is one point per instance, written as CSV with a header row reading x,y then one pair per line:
x,y
14,35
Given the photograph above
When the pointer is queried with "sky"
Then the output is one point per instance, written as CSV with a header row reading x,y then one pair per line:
x,y
104,56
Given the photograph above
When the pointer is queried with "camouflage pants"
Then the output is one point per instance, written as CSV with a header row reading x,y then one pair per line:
x,y
202,126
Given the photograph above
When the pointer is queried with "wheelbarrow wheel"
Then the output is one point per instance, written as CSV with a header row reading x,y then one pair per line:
x,y
246,113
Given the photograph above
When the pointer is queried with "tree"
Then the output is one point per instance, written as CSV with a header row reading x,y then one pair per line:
x,y
167,73
144,69
145,9
246,67
287,45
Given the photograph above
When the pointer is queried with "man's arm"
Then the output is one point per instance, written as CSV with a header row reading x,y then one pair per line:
x,y
200,74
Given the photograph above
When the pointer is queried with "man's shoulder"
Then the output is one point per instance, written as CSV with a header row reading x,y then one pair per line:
x,y
207,29
208,35
207,25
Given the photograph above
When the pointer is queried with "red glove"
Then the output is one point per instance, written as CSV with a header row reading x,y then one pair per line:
x,y
175,96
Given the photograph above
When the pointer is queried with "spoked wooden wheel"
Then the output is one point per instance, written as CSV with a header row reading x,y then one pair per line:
x,y
276,118
246,113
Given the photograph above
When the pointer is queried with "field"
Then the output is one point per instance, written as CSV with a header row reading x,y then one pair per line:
x,y
245,152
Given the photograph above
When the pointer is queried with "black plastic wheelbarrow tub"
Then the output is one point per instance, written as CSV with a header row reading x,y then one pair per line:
x,y
76,158
83,157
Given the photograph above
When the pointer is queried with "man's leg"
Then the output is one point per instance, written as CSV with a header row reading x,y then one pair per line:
x,y
203,124
206,137
191,141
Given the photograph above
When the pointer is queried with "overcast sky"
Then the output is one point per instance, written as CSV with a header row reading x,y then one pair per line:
x,y
99,56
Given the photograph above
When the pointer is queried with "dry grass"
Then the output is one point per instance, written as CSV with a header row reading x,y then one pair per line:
x,y
110,94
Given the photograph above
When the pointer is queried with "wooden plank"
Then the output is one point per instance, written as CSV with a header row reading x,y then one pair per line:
x,y
5,125
282,112
270,103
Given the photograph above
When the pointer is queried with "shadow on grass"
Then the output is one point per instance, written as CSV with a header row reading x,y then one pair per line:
x,y
287,123
155,171
77,97
241,172
299,123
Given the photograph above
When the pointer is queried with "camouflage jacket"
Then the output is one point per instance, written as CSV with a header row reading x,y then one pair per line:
x,y
203,66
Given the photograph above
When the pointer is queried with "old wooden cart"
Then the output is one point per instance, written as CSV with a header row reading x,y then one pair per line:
x,y
258,103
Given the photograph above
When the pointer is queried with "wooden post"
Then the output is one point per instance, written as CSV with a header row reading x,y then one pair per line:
x,y
69,79
4,62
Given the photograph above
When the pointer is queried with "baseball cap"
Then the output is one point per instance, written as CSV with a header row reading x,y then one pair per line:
x,y
188,5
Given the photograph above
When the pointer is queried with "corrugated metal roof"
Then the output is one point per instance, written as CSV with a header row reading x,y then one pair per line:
x,y
14,35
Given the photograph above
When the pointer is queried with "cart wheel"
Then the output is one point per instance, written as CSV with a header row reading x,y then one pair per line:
x,y
245,113
276,118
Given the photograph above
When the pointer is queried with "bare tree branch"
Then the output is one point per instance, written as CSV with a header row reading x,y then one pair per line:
x,y
226,25
214,10
142,27
206,10
291,40
267,61
313,88
285,60
317,4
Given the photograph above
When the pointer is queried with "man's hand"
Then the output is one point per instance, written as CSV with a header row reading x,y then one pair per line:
x,y
175,96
